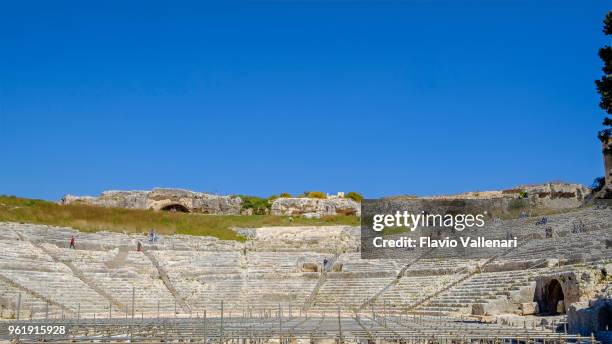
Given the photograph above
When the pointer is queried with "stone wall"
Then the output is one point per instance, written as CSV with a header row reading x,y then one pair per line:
x,y
162,199
556,196
315,207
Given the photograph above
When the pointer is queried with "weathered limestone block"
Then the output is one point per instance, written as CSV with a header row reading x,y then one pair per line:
x,y
561,306
310,206
529,308
337,267
516,302
310,267
494,307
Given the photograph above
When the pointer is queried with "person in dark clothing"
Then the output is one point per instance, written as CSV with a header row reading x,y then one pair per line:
x,y
72,243
139,247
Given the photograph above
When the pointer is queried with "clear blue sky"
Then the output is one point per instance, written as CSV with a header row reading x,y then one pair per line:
x,y
260,97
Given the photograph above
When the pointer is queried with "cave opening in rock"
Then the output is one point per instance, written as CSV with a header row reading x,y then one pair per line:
x,y
604,318
175,208
553,293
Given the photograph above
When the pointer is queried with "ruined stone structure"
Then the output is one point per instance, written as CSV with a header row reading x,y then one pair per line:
x,y
549,195
553,196
162,199
315,207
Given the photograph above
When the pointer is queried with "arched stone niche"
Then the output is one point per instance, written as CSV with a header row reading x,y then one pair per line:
x,y
555,292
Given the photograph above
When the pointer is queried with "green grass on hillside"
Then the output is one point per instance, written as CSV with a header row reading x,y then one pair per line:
x,y
93,219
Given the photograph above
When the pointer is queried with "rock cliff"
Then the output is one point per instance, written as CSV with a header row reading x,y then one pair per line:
x,y
162,199
315,207
554,195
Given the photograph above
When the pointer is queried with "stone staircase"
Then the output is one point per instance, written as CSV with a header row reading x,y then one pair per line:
x,y
167,283
322,278
85,279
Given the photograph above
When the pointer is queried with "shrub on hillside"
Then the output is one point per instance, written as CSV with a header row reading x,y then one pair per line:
x,y
259,205
355,196
285,195
315,194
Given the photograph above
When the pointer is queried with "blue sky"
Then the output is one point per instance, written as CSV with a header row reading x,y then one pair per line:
x,y
261,97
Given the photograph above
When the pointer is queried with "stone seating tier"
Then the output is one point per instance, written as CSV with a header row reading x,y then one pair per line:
x,y
197,273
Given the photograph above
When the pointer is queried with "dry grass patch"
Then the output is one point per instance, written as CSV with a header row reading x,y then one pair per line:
x,y
92,219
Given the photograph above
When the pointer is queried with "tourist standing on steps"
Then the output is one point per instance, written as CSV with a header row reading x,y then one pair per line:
x,y
325,264
152,235
139,246
72,243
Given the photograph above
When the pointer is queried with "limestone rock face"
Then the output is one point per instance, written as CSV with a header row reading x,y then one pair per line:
x,y
557,195
162,199
529,308
554,195
111,199
551,190
310,206
312,238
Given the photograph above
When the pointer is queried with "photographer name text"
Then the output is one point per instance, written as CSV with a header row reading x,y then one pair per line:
x,y
428,242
